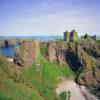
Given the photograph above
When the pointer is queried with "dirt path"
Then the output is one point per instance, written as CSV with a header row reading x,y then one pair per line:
x,y
77,93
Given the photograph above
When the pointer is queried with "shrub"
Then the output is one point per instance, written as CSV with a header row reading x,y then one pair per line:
x,y
62,96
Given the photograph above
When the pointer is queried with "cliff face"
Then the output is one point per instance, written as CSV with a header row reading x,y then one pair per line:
x,y
62,53
56,52
90,56
72,56
78,56
90,78
27,53
93,50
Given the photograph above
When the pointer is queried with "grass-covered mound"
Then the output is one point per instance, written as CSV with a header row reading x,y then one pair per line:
x,y
37,82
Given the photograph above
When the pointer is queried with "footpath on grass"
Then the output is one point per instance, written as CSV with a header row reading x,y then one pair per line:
x,y
76,92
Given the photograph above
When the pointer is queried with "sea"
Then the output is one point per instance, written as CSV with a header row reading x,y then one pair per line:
x,y
8,51
40,38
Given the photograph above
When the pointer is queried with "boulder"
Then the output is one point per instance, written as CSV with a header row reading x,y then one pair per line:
x,y
56,52
27,53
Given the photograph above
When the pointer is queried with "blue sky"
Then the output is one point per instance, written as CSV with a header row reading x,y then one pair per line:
x,y
49,17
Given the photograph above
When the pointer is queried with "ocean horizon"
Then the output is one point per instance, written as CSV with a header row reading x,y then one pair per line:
x,y
41,38
32,37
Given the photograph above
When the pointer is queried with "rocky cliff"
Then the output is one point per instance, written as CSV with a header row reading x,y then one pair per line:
x,y
62,53
27,53
91,77
81,58
56,52
8,42
90,58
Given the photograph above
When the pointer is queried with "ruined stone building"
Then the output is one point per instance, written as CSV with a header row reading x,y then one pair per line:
x,y
70,36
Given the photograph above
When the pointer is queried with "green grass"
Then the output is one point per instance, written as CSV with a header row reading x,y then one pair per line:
x,y
86,41
14,85
51,73
37,82
89,61
98,41
18,91
62,96
46,76
5,97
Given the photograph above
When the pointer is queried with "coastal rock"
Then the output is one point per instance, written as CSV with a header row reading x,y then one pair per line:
x,y
43,44
56,52
27,53
85,60
89,57
91,78
8,42
81,58
93,50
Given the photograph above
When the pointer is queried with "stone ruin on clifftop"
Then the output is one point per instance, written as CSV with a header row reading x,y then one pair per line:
x,y
70,36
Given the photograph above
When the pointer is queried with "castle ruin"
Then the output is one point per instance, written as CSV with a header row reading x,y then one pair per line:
x,y
70,36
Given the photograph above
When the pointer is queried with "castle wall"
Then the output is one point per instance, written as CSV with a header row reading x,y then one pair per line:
x,y
75,36
66,36
69,36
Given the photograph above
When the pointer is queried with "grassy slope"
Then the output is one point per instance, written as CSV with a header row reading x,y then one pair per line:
x,y
89,61
14,86
34,83
98,41
46,76
87,41
51,74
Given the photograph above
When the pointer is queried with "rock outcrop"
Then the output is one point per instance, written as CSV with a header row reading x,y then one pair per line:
x,y
27,53
90,58
56,52
8,42
43,44
91,78
80,57
93,50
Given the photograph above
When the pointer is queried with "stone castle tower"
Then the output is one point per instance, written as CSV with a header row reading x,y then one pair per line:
x,y
70,36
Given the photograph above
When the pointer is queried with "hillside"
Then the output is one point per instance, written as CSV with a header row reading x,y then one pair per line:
x,y
13,85
38,80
